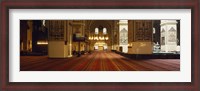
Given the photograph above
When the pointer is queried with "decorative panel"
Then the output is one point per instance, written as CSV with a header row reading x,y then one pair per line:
x,y
172,35
56,30
143,30
130,31
123,37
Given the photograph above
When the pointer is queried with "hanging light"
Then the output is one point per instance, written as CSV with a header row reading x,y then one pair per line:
x,y
97,36
42,42
106,38
102,38
92,37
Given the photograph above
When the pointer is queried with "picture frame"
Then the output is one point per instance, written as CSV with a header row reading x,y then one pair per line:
x,y
118,4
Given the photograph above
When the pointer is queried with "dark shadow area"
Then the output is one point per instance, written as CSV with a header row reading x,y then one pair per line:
x,y
150,56
27,53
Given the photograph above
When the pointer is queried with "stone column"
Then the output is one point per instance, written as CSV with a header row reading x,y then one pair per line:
x,y
140,37
168,35
29,35
57,44
23,34
69,27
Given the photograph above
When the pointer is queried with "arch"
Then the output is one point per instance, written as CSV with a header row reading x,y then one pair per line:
x,y
104,31
100,46
97,23
96,30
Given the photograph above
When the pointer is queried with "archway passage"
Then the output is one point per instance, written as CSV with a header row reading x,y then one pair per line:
x,y
100,34
100,46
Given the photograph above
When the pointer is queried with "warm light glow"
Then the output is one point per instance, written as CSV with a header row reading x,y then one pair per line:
x,y
100,43
130,44
106,38
103,38
98,38
89,38
42,42
142,44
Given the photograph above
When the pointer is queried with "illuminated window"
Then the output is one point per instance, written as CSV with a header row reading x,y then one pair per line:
x,y
96,31
104,31
43,22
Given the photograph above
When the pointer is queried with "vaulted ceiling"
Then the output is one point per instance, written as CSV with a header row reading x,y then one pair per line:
x,y
92,24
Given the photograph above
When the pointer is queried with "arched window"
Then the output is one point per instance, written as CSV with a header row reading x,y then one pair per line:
x,y
104,31
43,22
154,30
96,31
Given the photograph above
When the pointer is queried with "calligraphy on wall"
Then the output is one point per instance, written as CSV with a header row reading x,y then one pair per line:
x,y
123,37
143,30
172,35
56,30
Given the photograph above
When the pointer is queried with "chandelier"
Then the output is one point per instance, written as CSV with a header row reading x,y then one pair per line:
x,y
99,35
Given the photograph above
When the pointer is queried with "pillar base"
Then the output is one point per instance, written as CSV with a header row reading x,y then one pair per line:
x,y
140,48
57,49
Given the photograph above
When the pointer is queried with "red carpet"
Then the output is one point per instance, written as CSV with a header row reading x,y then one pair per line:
x,y
97,61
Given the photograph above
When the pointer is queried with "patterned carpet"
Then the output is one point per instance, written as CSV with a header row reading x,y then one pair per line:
x,y
97,61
